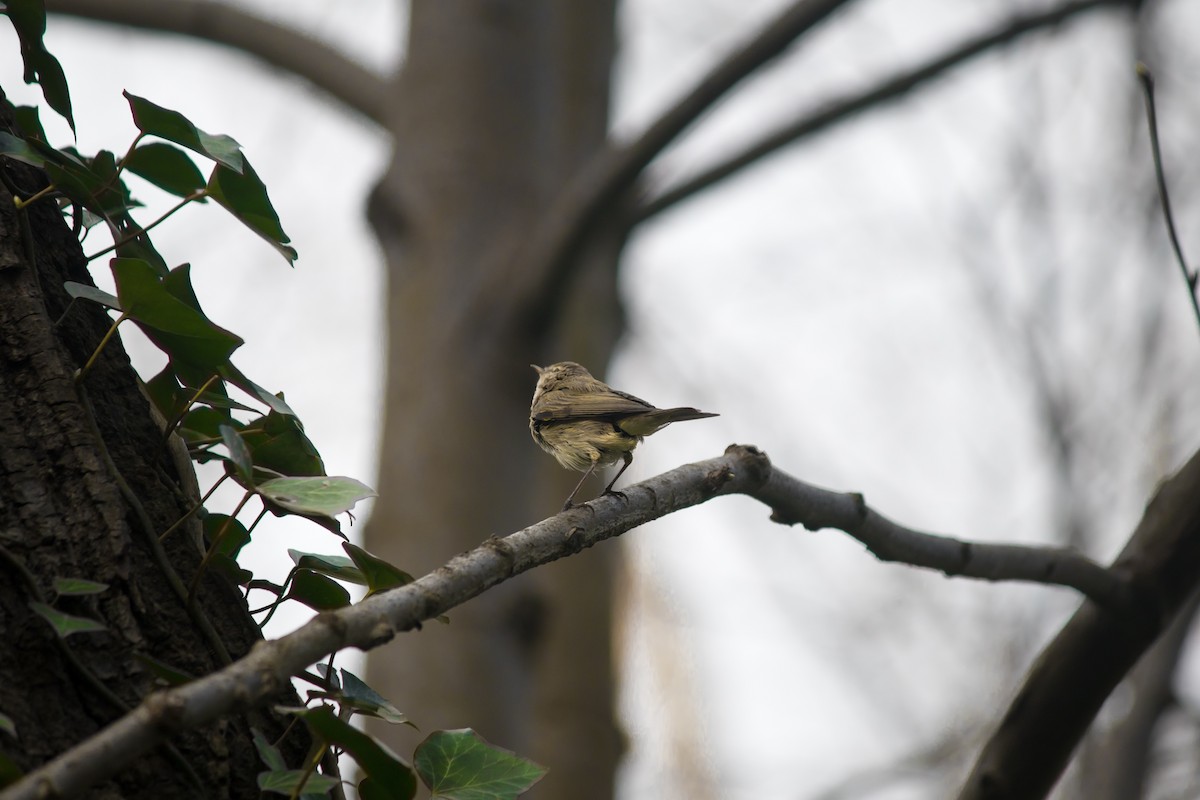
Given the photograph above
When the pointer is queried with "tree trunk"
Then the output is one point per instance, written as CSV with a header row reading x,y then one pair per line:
x,y
530,665
64,514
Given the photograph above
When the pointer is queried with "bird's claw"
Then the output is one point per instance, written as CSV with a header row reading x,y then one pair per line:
x,y
615,493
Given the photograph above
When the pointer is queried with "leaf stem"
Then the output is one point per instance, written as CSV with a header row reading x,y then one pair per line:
x,y
79,376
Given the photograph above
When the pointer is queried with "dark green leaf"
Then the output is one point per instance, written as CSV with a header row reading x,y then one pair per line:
x,y
374,759
232,374
140,246
363,698
268,752
29,120
286,782
29,19
338,567
229,535
183,332
166,393
371,789
278,444
167,167
380,575
10,773
238,453
84,292
318,592
327,495
230,569
66,624
78,586
245,197
7,725
164,672
461,765
20,150
166,124
203,424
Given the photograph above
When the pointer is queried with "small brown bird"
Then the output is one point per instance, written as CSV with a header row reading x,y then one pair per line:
x,y
584,423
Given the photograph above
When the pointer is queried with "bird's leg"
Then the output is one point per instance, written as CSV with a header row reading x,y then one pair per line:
x,y
628,457
568,505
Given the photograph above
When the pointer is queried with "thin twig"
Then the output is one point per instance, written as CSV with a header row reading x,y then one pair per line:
x,y
1191,278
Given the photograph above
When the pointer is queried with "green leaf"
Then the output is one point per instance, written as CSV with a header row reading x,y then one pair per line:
x,y
66,624
268,752
362,698
29,19
29,121
20,150
235,376
7,725
140,246
318,592
82,291
245,196
10,773
380,575
172,676
238,453
154,120
279,444
327,495
375,760
203,424
78,586
233,534
287,781
338,567
180,330
371,789
461,765
236,573
167,167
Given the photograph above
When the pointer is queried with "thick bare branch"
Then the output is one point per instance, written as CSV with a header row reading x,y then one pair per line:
x,y
840,109
535,277
321,65
255,679
1095,650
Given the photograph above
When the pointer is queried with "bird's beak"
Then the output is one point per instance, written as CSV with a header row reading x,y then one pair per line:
x,y
537,369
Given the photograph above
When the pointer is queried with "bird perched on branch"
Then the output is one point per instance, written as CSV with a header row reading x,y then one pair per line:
x,y
585,423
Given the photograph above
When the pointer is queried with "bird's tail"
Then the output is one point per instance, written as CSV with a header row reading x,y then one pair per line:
x,y
657,419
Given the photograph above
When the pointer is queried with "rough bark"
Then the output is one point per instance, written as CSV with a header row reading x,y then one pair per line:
x,y
63,514
530,665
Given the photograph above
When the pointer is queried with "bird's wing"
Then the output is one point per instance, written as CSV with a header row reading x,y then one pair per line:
x,y
555,406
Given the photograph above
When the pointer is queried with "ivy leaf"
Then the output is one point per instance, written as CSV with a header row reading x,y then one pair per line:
x,y
233,534
167,167
178,329
20,150
268,752
381,765
81,291
235,376
29,20
66,624
78,586
318,592
279,444
245,196
338,567
154,120
462,765
326,495
362,698
238,453
288,781
380,574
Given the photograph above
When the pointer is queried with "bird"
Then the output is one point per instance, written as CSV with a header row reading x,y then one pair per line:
x,y
585,423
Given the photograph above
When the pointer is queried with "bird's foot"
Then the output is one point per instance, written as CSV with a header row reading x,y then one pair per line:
x,y
615,493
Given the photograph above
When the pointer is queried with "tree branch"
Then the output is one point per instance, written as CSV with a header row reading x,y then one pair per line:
x,y
841,109
1096,649
537,275
321,65
255,679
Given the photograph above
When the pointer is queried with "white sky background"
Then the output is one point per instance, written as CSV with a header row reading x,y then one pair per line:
x,y
822,303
